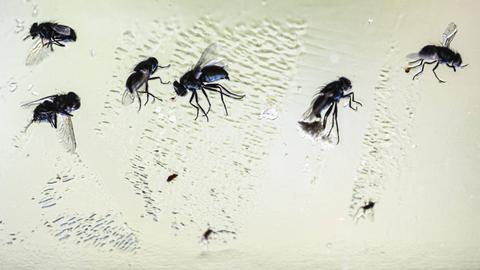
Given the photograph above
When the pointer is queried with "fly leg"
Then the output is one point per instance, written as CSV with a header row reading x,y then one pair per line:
x,y
139,101
191,103
413,62
208,100
333,120
57,42
158,77
219,90
336,123
421,71
148,94
352,99
434,68
325,117
232,95
200,106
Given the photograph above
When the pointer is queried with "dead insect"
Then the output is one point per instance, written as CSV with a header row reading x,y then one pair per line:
x,y
142,73
433,54
47,110
51,33
327,99
368,206
172,177
203,76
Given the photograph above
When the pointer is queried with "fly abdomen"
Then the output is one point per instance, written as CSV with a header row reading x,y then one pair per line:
x,y
135,81
213,74
429,51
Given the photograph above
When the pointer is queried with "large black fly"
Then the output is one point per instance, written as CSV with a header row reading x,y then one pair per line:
x,y
47,110
208,70
51,33
433,54
327,99
142,73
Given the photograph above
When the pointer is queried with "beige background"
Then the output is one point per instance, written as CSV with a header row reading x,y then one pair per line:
x,y
413,147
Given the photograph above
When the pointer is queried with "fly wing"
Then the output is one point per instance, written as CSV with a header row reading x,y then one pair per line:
x,y
127,97
37,52
38,101
62,29
209,57
67,134
308,114
449,34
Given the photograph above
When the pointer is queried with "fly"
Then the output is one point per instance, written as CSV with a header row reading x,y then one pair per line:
x,y
434,54
142,73
327,99
51,33
203,76
48,109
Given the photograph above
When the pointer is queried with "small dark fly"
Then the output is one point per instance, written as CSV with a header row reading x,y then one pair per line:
x,y
142,73
207,235
362,211
327,99
208,70
433,54
49,108
51,33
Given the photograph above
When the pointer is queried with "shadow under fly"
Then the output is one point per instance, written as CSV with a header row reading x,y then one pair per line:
x,y
208,70
142,73
327,99
433,54
47,110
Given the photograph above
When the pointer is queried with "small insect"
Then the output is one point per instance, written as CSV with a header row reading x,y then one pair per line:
x,y
368,206
327,99
47,110
172,177
142,73
208,70
209,233
51,33
433,54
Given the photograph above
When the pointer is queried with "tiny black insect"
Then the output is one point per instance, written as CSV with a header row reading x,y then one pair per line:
x,y
433,54
328,97
47,110
203,76
172,177
366,207
52,33
142,73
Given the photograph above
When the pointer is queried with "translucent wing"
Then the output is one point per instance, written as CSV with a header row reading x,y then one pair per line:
x,y
308,114
127,97
209,57
62,29
38,101
66,133
449,34
37,52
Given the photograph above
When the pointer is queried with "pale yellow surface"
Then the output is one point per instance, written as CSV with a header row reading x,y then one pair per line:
x,y
413,147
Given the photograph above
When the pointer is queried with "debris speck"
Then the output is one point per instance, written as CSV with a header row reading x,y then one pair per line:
x,y
269,113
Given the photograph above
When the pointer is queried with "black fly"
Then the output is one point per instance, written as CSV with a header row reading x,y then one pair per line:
x,y
433,54
327,99
142,73
203,76
47,110
52,33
